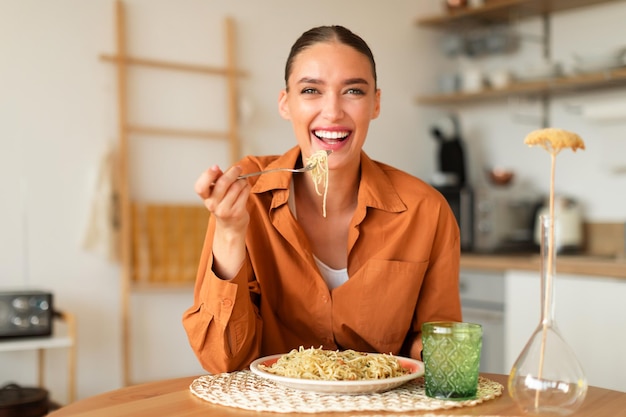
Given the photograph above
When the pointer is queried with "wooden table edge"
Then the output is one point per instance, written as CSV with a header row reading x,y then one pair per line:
x,y
599,402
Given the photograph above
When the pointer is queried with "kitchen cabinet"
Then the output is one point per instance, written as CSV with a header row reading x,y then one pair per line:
x,y
590,316
482,301
508,11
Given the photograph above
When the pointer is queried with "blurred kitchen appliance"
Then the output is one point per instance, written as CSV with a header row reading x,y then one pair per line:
x,y
504,220
25,313
568,227
450,155
21,401
461,200
450,176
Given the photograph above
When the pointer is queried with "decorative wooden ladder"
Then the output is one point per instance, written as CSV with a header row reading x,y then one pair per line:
x,y
160,244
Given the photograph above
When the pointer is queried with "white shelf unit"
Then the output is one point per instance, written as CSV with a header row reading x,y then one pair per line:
x,y
41,344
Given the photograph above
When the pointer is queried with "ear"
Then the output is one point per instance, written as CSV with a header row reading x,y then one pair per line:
x,y
376,110
283,108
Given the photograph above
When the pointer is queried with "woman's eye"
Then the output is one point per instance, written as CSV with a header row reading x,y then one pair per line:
x,y
356,91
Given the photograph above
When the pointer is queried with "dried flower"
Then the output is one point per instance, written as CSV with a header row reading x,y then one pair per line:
x,y
553,140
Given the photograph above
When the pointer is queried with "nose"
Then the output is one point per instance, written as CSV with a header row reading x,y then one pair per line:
x,y
332,109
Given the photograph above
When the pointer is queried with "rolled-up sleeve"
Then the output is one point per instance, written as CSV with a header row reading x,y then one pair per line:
x,y
223,325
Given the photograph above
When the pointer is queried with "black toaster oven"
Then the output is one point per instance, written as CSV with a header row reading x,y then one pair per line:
x,y
26,313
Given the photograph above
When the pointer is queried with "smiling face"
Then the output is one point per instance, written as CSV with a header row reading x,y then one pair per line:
x,y
330,98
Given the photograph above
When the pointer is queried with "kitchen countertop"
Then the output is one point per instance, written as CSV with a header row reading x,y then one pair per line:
x,y
601,266
604,255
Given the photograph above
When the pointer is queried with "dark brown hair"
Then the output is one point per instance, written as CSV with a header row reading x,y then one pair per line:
x,y
323,34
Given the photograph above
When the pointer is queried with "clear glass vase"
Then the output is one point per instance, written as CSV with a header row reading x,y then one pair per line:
x,y
547,378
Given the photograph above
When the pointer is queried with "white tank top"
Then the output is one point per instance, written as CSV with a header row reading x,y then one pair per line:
x,y
332,277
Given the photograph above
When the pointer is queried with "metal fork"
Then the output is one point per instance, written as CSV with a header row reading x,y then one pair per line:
x,y
306,168
303,169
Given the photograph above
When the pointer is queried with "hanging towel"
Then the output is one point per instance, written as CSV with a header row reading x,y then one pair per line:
x,y
102,233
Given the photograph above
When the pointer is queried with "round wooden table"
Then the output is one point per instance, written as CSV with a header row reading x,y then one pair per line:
x,y
172,398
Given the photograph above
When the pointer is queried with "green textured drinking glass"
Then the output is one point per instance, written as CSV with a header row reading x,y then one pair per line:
x,y
451,355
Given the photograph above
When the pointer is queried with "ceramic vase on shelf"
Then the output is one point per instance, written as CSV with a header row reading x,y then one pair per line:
x,y
547,378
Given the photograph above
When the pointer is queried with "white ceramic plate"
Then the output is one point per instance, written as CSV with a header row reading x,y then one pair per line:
x,y
340,387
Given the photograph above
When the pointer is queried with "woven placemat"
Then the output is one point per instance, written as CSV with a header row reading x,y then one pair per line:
x,y
245,390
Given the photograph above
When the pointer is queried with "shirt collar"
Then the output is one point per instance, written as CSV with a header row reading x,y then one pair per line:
x,y
375,190
278,180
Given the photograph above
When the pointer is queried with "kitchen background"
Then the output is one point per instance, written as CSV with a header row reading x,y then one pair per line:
x,y
58,120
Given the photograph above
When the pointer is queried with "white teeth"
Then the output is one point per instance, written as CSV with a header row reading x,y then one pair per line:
x,y
324,134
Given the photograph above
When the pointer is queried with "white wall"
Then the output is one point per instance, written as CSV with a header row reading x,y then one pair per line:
x,y
58,116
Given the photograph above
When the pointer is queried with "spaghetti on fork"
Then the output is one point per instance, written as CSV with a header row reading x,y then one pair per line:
x,y
319,173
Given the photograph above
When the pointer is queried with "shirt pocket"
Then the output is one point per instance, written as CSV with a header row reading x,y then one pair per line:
x,y
389,292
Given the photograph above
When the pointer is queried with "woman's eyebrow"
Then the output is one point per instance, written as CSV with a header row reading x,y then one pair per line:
x,y
307,80
349,81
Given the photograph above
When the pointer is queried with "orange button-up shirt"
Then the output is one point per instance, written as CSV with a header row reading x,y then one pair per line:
x,y
403,267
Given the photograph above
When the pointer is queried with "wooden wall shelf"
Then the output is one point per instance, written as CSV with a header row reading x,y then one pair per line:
x,y
510,11
561,85
502,11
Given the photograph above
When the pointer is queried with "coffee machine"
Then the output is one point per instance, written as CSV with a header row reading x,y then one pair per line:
x,y
450,155
450,178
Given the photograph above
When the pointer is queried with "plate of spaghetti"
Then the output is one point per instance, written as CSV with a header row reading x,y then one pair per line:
x,y
337,372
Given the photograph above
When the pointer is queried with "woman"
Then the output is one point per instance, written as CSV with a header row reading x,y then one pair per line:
x,y
275,274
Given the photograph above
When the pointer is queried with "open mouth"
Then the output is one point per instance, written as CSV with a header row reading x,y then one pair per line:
x,y
331,136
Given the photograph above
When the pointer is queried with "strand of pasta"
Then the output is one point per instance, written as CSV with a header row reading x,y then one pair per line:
x,y
319,173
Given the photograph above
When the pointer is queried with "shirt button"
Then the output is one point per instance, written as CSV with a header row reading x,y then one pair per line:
x,y
324,299
227,303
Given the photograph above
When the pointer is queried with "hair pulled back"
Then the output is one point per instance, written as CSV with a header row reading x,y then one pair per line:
x,y
327,34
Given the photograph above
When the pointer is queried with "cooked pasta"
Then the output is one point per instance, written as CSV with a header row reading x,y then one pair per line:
x,y
319,173
335,365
